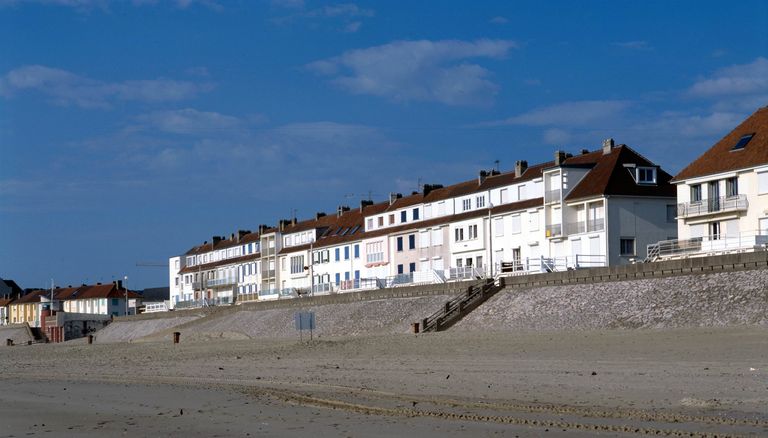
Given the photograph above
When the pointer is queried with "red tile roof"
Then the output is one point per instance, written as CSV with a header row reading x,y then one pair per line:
x,y
722,158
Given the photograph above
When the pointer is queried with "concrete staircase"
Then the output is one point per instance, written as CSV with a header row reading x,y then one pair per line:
x,y
453,311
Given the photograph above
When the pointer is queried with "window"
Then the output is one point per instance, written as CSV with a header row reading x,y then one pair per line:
x,y
357,251
762,182
742,143
297,264
412,267
498,226
732,187
458,263
472,231
337,253
338,279
391,219
646,175
427,211
521,192
177,281
533,221
412,241
480,201
627,246
504,196
671,213
424,239
399,269
466,204
415,214
369,223
346,253
437,237
381,221
373,252
696,193
441,208
479,262
459,234
115,301
714,230
403,217
400,243
515,225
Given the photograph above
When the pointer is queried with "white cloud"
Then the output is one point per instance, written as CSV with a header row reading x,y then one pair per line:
x,y
734,80
555,136
418,70
66,88
188,121
341,10
349,14
575,114
634,45
498,20
672,124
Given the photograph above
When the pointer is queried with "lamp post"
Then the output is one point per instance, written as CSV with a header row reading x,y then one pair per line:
x,y
125,286
490,238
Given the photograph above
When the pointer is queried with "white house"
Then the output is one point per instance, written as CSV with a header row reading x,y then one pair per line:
x,y
723,195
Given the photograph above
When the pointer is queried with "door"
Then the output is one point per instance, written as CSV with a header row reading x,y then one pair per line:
x,y
714,196
516,262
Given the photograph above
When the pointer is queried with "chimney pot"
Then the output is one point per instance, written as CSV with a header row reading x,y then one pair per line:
x,y
520,167
584,151
481,177
559,158
364,203
607,146
319,214
428,188
394,197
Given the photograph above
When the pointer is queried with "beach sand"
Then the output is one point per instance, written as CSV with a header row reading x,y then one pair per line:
x,y
679,382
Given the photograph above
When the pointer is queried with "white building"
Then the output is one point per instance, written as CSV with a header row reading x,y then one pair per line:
x,y
593,209
723,195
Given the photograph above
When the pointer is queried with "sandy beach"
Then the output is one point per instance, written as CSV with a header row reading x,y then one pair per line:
x,y
678,382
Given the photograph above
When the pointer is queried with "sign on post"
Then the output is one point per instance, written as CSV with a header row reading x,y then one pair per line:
x,y
304,321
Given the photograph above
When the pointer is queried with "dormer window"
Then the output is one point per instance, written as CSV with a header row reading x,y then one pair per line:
x,y
646,175
742,143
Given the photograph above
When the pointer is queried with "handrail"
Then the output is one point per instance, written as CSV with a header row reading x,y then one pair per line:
x,y
712,205
720,243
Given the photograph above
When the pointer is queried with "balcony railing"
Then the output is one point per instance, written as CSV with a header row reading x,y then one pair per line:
x,y
553,230
712,206
552,196
715,244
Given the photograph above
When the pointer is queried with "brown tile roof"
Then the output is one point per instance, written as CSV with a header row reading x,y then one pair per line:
x,y
81,292
609,177
5,301
32,297
721,158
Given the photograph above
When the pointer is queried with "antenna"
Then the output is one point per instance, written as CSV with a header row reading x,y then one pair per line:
x,y
496,162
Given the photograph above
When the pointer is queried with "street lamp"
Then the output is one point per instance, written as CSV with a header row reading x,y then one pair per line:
x,y
125,286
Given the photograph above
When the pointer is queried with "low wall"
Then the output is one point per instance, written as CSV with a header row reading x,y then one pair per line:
x,y
319,300
668,268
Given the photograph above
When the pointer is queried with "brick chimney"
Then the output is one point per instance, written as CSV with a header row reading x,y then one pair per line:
x,y
394,197
364,203
481,177
520,167
341,209
319,214
607,146
430,187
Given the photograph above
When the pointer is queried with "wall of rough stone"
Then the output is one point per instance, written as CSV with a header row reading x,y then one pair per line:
x,y
723,298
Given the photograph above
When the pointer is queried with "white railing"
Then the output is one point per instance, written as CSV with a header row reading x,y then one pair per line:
x,y
713,205
155,307
708,245
535,265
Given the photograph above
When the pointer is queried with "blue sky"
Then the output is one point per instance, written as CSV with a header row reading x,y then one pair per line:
x,y
132,130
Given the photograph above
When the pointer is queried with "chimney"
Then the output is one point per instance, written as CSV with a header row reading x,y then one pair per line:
x,y
232,237
520,167
607,146
341,209
283,224
584,151
241,234
481,177
215,239
559,158
118,284
394,197
293,220
319,214
429,187
364,203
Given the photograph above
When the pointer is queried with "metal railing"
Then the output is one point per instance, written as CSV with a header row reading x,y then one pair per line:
x,y
535,265
466,273
716,244
455,309
155,307
552,196
713,205
191,304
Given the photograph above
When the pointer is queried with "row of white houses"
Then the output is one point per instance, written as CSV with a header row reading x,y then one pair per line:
x,y
596,208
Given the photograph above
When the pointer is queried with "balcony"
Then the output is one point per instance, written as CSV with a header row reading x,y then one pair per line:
x,y
216,282
554,230
552,196
712,206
